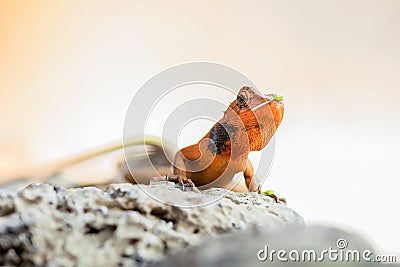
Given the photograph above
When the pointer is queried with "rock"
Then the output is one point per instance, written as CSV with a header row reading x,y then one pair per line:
x,y
123,224
253,247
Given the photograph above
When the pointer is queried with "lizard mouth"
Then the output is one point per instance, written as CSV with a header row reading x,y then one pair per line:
x,y
277,100
271,99
277,108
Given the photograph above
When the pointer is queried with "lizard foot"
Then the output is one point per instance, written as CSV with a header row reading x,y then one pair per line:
x,y
182,180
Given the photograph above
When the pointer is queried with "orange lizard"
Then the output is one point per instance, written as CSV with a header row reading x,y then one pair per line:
x,y
247,125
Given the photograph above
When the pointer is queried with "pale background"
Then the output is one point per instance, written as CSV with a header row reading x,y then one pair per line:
x,y
68,71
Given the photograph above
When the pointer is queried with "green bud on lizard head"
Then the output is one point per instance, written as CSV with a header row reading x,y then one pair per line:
x,y
278,98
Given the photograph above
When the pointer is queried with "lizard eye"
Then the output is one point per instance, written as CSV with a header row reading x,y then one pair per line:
x,y
241,101
244,97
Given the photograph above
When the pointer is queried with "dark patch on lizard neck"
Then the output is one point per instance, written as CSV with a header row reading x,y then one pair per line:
x,y
220,136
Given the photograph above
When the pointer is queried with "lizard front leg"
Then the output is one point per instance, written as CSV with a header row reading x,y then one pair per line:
x,y
180,173
179,167
251,181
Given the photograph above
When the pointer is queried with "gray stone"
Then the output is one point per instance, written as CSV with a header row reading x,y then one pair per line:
x,y
253,247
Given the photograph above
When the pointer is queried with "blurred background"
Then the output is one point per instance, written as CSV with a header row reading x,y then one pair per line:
x,y
68,71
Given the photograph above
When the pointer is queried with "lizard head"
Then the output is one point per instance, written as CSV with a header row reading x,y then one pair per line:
x,y
250,121
251,104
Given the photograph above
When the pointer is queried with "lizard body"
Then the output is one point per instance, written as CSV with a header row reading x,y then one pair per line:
x,y
247,125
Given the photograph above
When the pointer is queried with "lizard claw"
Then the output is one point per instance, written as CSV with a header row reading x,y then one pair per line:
x,y
182,180
259,189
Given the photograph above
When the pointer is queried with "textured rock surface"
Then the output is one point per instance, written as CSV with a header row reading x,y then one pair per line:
x,y
121,225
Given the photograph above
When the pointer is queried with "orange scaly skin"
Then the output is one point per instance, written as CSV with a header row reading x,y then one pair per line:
x,y
247,125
